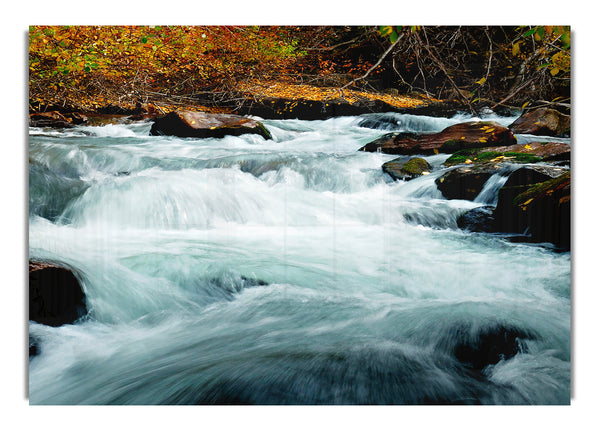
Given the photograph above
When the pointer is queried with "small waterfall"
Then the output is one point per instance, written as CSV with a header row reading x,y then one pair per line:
x,y
489,192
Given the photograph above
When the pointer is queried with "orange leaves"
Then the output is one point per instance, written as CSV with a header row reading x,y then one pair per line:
x,y
309,92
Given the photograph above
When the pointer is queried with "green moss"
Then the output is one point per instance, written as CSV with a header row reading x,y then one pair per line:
x,y
540,188
416,166
473,155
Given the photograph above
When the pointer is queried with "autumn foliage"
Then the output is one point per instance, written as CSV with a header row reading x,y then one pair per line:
x,y
100,65
91,67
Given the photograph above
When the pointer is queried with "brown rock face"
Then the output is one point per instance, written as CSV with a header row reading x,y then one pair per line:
x,y
548,151
190,124
475,134
542,121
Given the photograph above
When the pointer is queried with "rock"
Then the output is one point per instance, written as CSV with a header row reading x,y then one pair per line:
x,y
520,153
542,121
466,182
190,124
49,119
405,168
477,348
542,209
34,349
470,135
55,295
384,121
480,219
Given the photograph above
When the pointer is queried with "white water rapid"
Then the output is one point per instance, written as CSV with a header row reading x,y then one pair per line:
x,y
286,271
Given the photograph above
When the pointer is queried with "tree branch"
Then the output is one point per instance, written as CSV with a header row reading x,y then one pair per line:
x,y
368,72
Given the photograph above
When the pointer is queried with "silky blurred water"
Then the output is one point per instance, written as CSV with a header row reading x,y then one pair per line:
x,y
286,271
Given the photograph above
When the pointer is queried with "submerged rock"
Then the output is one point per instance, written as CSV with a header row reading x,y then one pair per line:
x,y
474,134
190,124
542,121
55,295
477,348
405,168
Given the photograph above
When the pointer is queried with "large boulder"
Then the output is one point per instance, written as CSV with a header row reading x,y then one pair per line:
x,y
542,121
466,182
191,124
406,168
55,295
474,134
542,209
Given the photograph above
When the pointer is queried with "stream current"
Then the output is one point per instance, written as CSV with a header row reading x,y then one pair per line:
x,y
285,271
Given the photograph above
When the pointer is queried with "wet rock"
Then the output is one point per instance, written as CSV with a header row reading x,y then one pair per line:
x,y
55,295
480,347
190,124
543,210
532,152
466,182
406,168
480,219
544,122
34,349
470,135
380,122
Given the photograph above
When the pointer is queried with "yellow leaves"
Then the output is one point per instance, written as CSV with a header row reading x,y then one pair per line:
x,y
516,49
528,147
486,129
482,140
481,81
287,90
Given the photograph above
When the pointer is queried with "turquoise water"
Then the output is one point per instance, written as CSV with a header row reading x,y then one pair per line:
x,y
286,271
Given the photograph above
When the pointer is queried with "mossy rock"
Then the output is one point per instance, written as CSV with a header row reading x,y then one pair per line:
x,y
542,189
474,156
405,169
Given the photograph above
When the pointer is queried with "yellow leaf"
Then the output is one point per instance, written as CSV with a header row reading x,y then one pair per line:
x,y
524,105
554,71
482,140
516,49
528,147
481,81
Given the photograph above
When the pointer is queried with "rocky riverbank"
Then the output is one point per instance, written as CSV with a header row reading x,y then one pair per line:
x,y
535,200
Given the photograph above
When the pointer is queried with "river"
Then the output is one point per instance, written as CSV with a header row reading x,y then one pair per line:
x,y
285,271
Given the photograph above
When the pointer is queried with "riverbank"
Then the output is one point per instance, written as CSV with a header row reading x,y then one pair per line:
x,y
269,100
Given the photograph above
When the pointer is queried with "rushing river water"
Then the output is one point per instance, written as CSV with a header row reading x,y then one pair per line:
x,y
292,271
